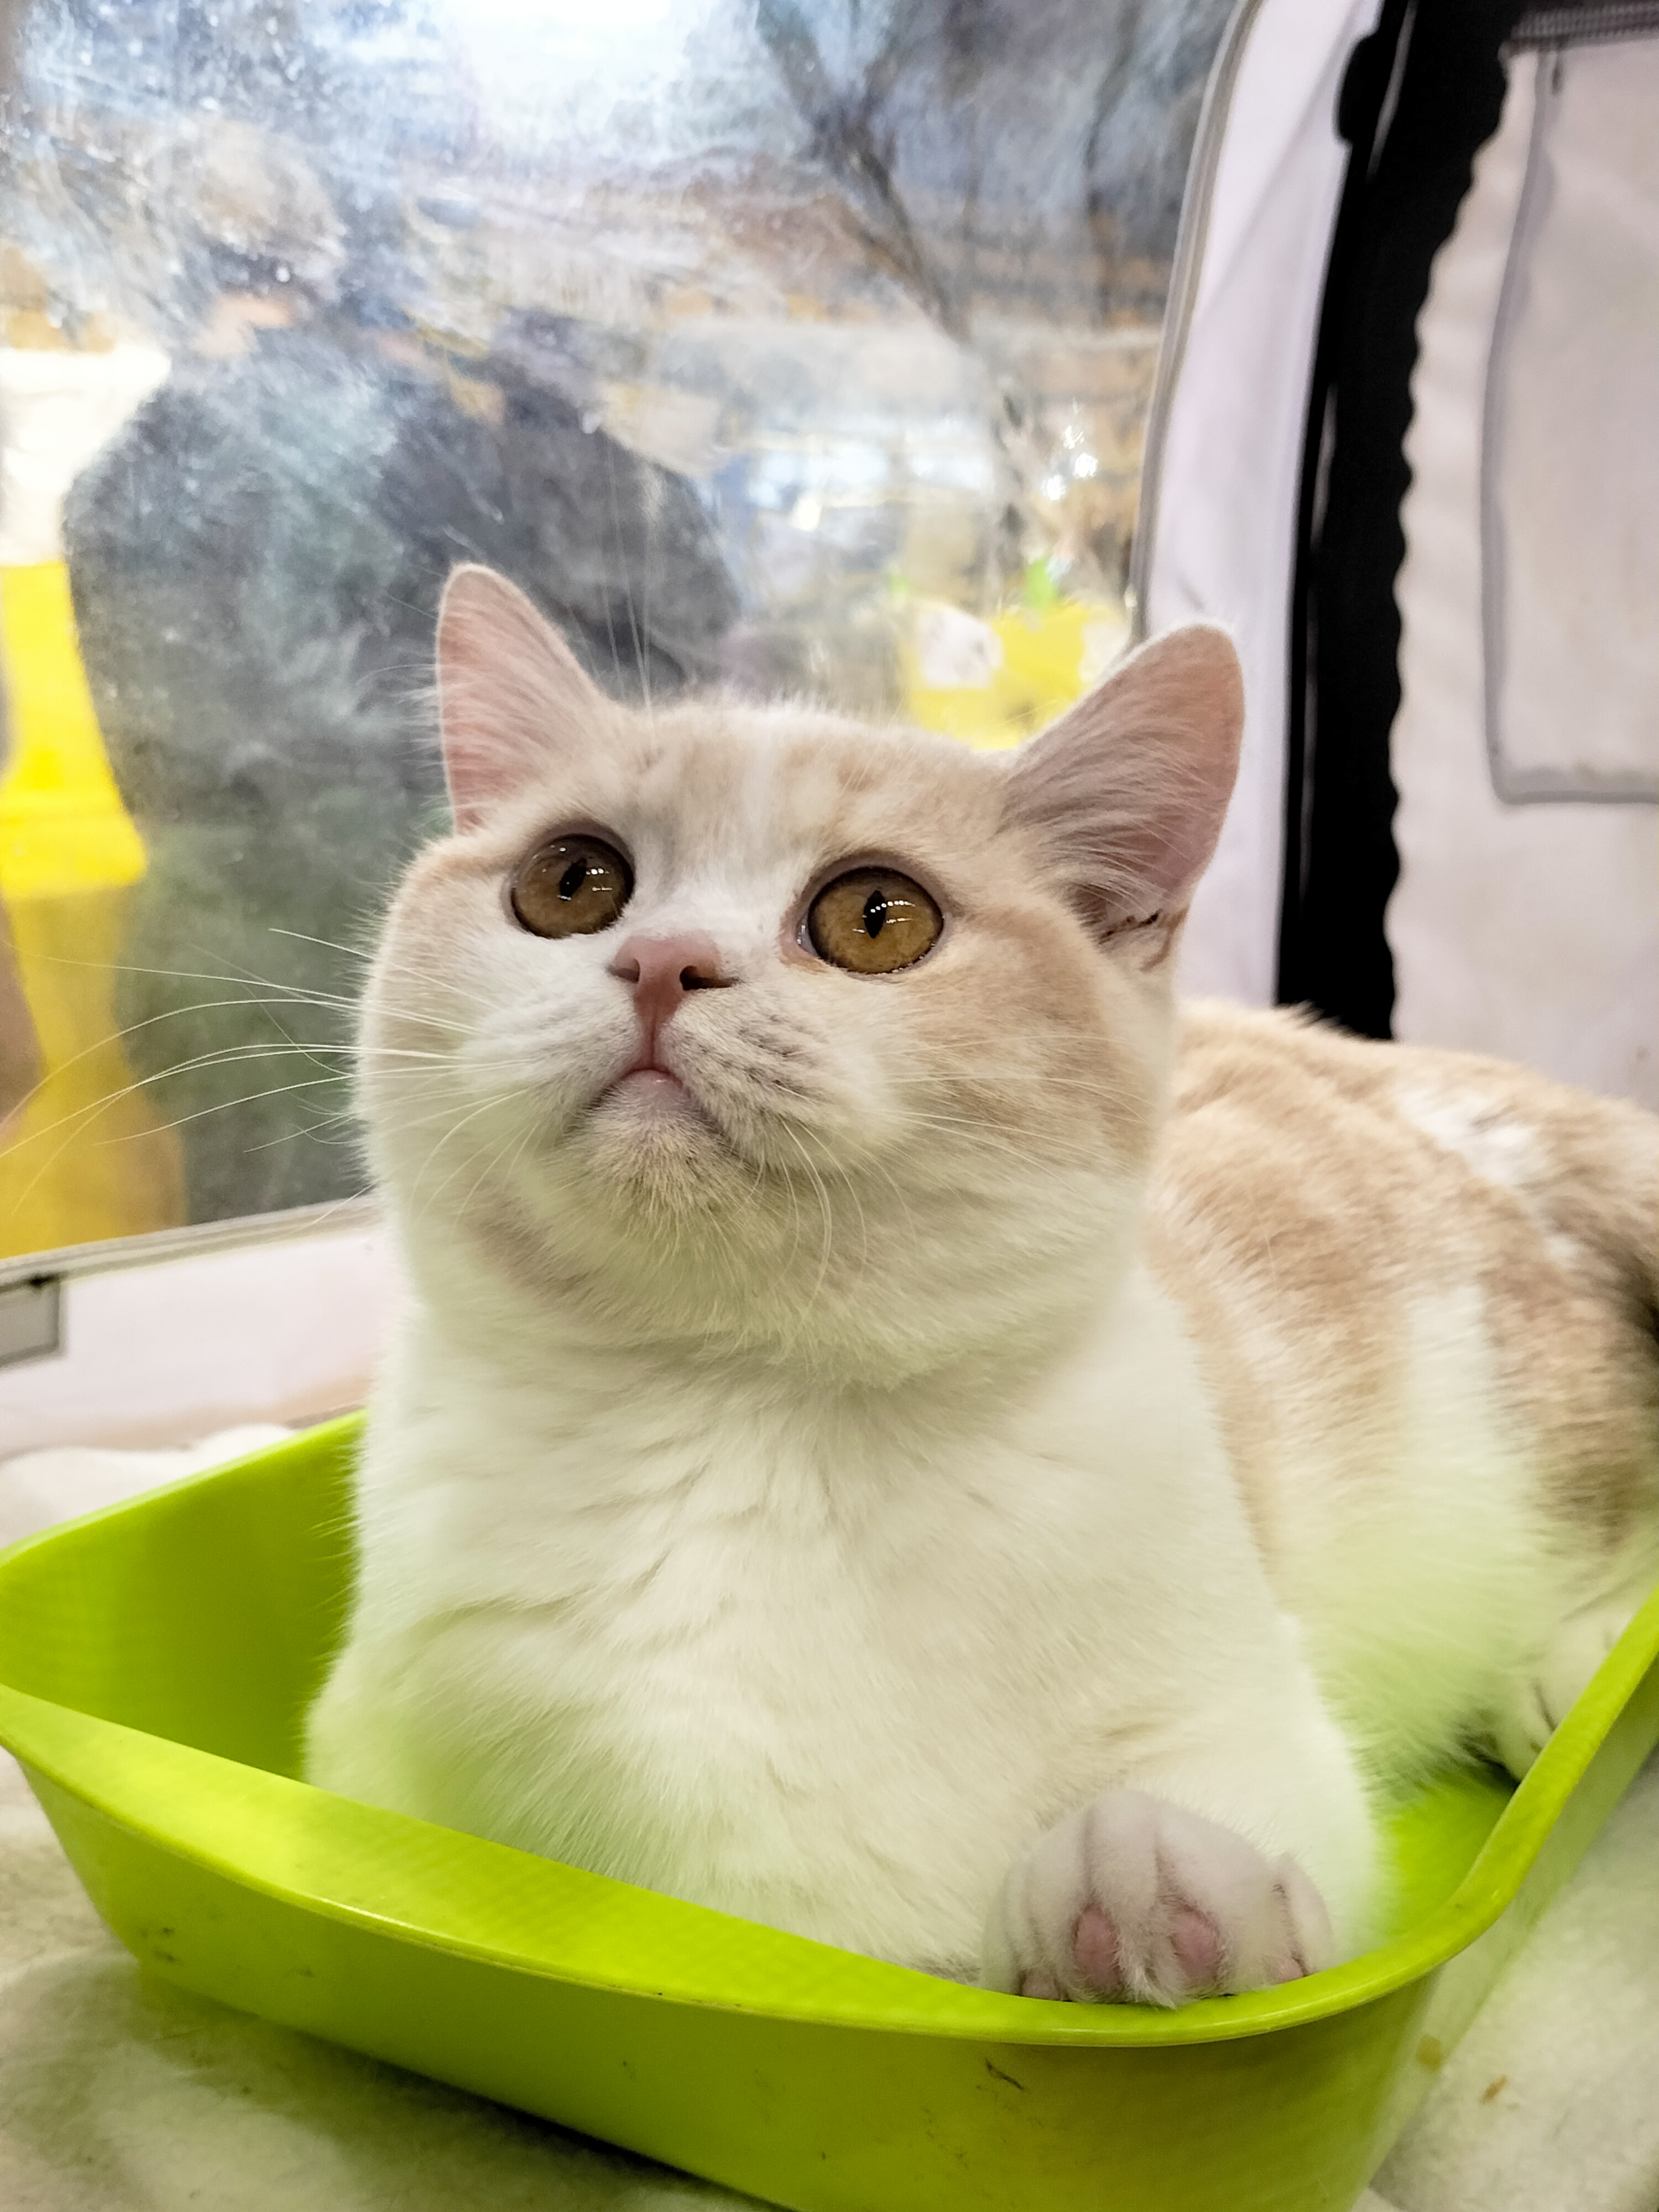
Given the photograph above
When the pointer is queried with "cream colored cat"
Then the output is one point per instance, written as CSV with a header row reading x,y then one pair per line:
x,y
896,1432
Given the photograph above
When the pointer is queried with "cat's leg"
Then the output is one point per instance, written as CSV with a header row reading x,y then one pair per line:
x,y
357,1739
1154,1891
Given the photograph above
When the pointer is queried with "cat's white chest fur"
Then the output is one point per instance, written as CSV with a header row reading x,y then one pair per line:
x,y
829,1665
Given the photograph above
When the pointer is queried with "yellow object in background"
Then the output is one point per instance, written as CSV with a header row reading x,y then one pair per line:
x,y
86,1158
63,827
992,683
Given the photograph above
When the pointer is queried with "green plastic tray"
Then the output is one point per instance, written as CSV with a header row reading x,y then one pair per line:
x,y
156,1663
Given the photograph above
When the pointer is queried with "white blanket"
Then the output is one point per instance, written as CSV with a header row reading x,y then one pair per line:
x,y
119,2094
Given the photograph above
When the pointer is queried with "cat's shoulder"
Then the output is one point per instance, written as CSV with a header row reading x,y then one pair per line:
x,y
1419,1124
1268,1059
1242,1065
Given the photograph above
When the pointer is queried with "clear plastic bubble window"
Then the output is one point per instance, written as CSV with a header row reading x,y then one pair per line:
x,y
786,345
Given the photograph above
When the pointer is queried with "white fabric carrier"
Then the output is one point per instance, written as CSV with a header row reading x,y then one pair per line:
x,y
1406,441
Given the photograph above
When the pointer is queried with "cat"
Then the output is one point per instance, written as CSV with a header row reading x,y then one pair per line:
x,y
899,1432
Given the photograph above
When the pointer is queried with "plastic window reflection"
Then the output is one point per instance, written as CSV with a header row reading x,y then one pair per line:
x,y
768,344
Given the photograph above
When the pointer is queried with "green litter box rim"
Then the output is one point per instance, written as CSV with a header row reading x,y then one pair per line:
x,y
811,1981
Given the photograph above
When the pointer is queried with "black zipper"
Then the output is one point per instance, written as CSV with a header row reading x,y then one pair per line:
x,y
1420,96
1584,22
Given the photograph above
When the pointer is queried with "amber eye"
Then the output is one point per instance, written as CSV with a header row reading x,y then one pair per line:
x,y
873,921
571,886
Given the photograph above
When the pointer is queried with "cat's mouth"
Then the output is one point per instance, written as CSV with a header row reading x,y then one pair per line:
x,y
648,1082
651,1091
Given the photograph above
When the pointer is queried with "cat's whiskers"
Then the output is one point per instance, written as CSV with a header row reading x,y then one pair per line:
x,y
640,667
506,1156
69,1125
60,1069
269,996
72,1122
226,1105
443,1116
843,1175
828,1212
484,1106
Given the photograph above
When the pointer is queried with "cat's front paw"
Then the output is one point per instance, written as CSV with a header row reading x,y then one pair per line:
x,y
1543,1693
1131,1898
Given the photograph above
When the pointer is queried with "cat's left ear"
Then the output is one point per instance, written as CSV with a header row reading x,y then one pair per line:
x,y
1128,789
510,691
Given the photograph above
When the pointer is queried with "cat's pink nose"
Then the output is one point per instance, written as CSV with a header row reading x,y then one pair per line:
x,y
662,969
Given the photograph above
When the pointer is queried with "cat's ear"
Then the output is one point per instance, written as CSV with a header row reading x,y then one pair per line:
x,y
510,691
1127,790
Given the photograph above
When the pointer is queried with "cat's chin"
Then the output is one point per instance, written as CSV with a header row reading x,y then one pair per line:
x,y
648,1122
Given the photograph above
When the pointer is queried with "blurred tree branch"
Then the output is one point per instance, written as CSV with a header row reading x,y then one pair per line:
x,y
842,123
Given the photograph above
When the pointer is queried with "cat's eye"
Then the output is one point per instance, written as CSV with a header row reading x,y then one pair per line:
x,y
873,921
571,887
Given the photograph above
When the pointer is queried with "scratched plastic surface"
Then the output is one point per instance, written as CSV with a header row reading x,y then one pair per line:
x,y
801,349
155,1662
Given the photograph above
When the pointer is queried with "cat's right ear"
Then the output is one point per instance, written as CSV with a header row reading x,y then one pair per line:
x,y
510,692
1127,790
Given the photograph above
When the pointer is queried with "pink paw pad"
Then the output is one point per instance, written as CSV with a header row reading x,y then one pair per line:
x,y
1095,1951
1197,1948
